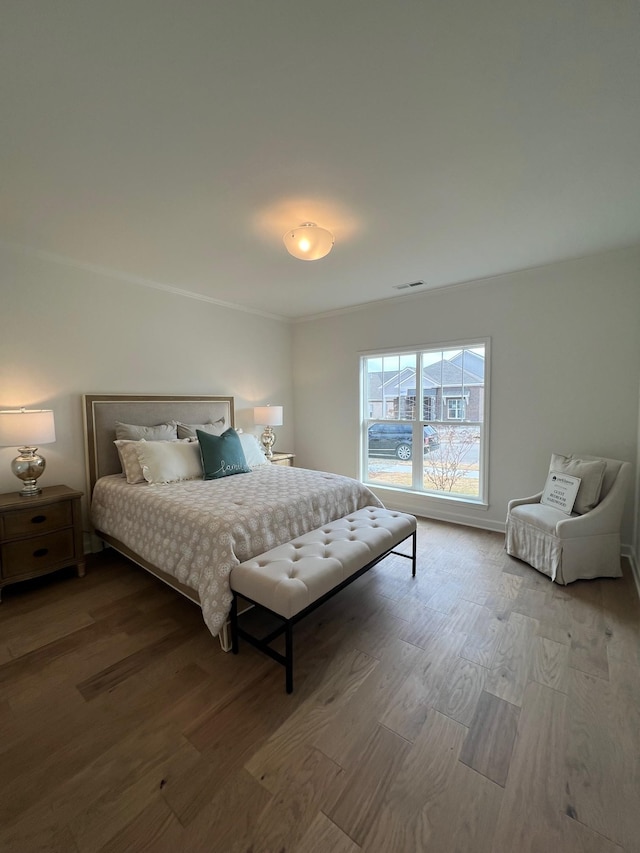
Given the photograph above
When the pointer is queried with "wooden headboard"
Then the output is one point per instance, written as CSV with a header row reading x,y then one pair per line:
x,y
101,411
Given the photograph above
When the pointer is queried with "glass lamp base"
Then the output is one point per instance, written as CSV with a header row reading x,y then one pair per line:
x,y
28,466
268,439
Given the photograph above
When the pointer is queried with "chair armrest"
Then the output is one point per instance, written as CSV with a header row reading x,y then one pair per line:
x,y
532,499
604,518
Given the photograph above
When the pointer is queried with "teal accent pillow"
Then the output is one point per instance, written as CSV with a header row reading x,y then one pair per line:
x,y
222,455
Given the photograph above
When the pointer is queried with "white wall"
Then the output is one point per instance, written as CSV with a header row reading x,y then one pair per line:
x,y
565,365
66,331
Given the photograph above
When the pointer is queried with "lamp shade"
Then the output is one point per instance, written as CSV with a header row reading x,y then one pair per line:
x,y
268,415
27,427
308,242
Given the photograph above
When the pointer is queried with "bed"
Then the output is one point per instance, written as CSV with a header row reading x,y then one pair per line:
x,y
191,533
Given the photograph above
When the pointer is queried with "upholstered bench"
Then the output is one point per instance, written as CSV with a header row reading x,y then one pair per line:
x,y
293,579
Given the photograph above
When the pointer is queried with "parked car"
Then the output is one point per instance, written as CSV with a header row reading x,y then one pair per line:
x,y
396,439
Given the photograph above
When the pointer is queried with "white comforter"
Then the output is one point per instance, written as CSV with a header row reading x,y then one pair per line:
x,y
197,530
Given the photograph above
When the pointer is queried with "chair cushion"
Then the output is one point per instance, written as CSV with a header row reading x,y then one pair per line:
x,y
541,516
591,475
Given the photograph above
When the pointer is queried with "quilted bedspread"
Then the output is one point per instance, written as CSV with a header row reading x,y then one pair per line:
x,y
198,530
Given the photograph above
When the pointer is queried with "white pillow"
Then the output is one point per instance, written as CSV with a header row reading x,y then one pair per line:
x,y
591,473
129,460
169,461
253,453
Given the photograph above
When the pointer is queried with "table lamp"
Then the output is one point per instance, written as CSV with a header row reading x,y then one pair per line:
x,y
268,417
26,429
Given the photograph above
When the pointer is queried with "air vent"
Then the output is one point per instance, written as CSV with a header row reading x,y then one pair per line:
x,y
405,286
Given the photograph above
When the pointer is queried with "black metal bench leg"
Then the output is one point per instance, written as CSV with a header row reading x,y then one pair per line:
x,y
288,640
233,619
414,553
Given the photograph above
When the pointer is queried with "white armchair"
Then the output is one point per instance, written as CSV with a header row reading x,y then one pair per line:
x,y
567,548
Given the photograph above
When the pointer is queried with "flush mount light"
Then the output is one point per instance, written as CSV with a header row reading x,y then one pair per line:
x,y
308,242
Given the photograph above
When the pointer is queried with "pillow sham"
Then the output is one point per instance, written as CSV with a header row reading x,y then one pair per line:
x,y
189,430
169,461
135,432
591,473
253,453
131,467
222,455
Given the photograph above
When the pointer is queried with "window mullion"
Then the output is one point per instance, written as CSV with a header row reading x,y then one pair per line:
x,y
418,435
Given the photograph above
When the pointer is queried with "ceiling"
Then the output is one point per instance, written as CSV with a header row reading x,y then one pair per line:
x,y
172,142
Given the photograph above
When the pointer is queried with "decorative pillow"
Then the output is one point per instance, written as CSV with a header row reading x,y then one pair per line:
x,y
222,455
253,453
129,460
189,430
169,461
133,432
591,473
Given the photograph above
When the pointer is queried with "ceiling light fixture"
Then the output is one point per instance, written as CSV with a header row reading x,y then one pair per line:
x,y
308,242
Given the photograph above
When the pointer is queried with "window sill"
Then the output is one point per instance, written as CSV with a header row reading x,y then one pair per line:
x,y
428,497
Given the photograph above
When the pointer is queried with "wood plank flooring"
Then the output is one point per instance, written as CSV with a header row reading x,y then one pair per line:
x,y
477,708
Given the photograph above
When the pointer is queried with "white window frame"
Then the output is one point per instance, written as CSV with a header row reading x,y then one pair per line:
x,y
417,487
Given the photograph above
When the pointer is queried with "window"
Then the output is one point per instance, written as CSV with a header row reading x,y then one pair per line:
x,y
447,385
455,409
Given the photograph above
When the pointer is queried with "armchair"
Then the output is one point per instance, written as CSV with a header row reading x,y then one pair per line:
x,y
567,548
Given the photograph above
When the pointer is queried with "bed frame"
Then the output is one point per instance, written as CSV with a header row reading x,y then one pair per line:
x,y
101,411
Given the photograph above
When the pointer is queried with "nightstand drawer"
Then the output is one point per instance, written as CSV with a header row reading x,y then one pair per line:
x,y
36,521
37,553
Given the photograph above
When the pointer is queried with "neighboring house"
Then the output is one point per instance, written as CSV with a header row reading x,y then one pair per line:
x,y
452,388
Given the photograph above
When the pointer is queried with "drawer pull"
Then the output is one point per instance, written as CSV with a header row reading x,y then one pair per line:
x,y
41,552
38,519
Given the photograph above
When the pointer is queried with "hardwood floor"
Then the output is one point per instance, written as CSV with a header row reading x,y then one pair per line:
x,y
477,707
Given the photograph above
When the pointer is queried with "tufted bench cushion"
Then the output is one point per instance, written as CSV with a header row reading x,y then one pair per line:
x,y
293,579
290,577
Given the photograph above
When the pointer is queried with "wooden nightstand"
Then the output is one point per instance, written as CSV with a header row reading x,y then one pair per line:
x,y
283,459
40,535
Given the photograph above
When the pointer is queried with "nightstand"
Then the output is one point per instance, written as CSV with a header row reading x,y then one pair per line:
x,y
283,459
40,535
